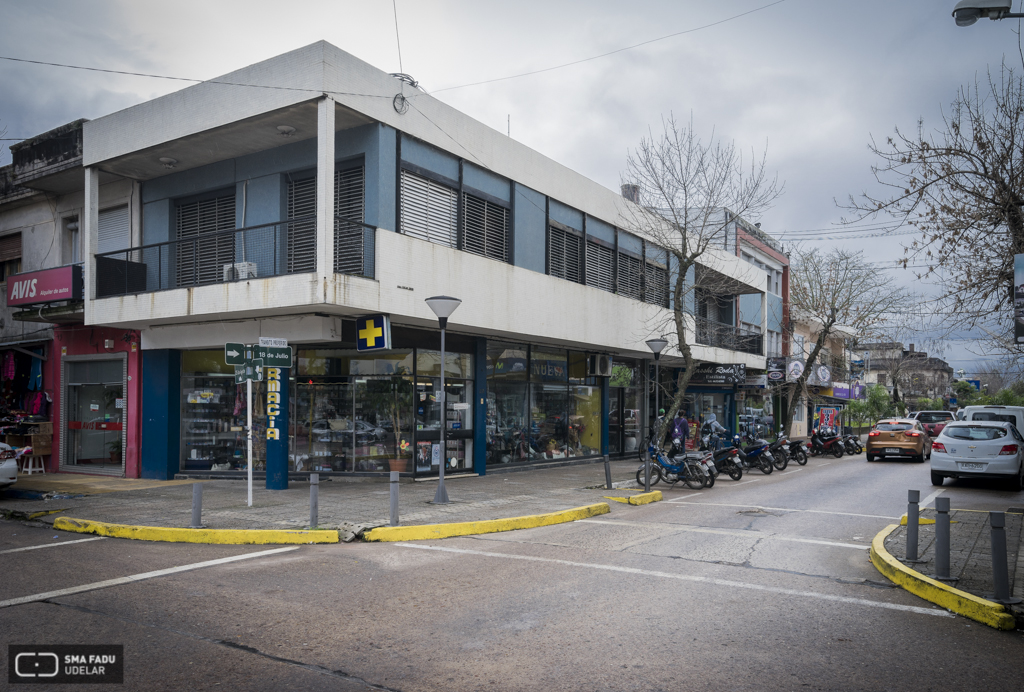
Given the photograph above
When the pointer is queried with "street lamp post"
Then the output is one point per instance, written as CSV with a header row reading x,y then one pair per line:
x,y
657,346
443,307
967,12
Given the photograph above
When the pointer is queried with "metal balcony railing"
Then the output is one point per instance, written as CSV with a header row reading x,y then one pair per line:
x,y
255,252
711,333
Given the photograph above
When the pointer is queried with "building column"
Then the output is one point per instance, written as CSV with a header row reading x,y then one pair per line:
x,y
605,413
325,190
480,407
764,323
90,231
161,414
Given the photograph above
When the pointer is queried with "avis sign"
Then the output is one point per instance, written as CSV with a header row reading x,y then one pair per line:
x,y
46,286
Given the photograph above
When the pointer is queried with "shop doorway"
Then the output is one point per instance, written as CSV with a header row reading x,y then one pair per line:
x,y
92,414
623,420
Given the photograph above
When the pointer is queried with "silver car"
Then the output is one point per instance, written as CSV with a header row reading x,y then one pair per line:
x,y
8,472
979,449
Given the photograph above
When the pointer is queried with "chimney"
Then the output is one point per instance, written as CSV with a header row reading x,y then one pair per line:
x,y
911,348
631,192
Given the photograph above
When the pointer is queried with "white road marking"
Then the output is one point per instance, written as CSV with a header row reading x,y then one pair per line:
x,y
51,545
139,577
725,532
691,578
684,497
930,498
788,509
825,464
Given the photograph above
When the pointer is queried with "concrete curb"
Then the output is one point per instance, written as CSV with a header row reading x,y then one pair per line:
x,y
213,536
467,528
641,499
959,602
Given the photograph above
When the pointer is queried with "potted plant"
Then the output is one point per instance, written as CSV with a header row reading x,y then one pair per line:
x,y
391,397
115,450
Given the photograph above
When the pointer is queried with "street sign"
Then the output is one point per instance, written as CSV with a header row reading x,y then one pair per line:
x,y
234,354
240,374
373,333
271,341
277,356
256,370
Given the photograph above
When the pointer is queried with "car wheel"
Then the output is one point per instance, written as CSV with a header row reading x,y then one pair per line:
x,y
1017,484
918,458
929,457
937,478
871,457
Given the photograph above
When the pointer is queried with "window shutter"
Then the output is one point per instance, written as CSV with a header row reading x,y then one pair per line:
x,y
629,276
656,285
114,231
564,254
484,228
429,210
10,247
302,234
348,237
203,247
600,266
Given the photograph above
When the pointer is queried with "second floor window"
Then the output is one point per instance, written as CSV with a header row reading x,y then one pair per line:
x,y
430,210
600,266
485,228
204,246
565,250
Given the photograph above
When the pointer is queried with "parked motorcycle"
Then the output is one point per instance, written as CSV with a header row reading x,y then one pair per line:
x,y
798,452
826,442
852,444
755,455
780,457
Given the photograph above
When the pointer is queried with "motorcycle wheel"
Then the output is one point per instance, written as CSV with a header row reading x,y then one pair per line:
x,y
693,477
801,457
765,465
734,471
860,447
655,475
780,461
709,480
837,451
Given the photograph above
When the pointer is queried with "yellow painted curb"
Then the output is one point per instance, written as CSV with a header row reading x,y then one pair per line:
x,y
645,498
623,500
960,602
468,528
216,536
920,521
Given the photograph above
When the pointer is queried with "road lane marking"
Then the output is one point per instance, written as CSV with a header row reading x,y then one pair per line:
x,y
140,577
930,498
727,532
784,509
825,464
51,545
691,578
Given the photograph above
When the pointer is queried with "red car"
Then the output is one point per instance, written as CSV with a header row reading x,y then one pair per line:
x,y
934,421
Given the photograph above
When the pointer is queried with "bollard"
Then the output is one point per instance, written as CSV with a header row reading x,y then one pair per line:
x,y
394,498
1000,573
607,473
314,500
647,470
913,521
942,539
197,506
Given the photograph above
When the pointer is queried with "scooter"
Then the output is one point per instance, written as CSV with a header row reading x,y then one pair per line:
x,y
755,455
852,444
725,458
798,452
822,443
780,459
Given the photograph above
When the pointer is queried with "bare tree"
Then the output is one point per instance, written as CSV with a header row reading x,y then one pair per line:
x,y
832,291
688,192
962,187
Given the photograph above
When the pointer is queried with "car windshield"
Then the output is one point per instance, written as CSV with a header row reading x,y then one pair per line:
x,y
893,426
998,417
934,416
973,432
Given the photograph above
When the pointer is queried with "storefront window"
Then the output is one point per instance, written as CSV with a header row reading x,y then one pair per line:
x,y
508,433
585,421
95,408
549,406
213,416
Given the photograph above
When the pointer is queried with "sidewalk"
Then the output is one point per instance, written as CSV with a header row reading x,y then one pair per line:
x,y
351,505
970,561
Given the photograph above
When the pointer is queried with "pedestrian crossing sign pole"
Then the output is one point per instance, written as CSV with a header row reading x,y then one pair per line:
x,y
247,369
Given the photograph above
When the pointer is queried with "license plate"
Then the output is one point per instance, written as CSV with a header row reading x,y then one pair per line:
x,y
970,466
893,450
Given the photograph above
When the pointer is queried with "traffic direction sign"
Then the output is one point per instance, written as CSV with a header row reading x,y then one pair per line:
x,y
234,354
278,356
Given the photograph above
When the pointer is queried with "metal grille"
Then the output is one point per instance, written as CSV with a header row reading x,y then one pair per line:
x,y
429,210
302,234
348,207
10,247
202,250
564,250
114,231
656,285
484,228
600,266
629,276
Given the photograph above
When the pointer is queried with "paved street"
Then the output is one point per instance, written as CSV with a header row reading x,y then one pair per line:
x,y
763,584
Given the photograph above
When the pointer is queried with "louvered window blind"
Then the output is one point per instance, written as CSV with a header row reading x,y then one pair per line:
x,y
485,228
10,247
203,249
656,285
429,210
629,276
600,266
114,231
565,254
348,238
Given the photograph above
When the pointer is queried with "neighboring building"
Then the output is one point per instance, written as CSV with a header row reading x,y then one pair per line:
x,y
229,213
913,374
829,385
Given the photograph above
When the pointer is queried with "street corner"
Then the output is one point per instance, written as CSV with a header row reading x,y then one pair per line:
x,y
208,536
641,499
954,600
469,528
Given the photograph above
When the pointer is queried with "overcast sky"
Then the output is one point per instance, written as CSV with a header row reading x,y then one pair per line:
x,y
810,80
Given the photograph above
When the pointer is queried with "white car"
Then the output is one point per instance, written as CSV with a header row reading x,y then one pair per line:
x,y
979,449
8,472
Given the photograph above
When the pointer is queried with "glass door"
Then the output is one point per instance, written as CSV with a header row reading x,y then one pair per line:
x,y
94,415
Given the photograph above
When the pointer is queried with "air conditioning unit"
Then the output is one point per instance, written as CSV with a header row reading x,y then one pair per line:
x,y
599,366
239,270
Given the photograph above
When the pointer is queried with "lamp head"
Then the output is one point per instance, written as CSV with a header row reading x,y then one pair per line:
x,y
443,307
657,345
967,12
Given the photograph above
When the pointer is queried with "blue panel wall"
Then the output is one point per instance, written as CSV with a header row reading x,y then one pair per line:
x,y
156,221
190,182
480,408
381,173
630,243
600,229
750,308
774,313
485,181
161,418
572,218
688,297
426,156
530,233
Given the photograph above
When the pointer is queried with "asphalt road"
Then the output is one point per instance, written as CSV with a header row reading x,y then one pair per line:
x,y
762,584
